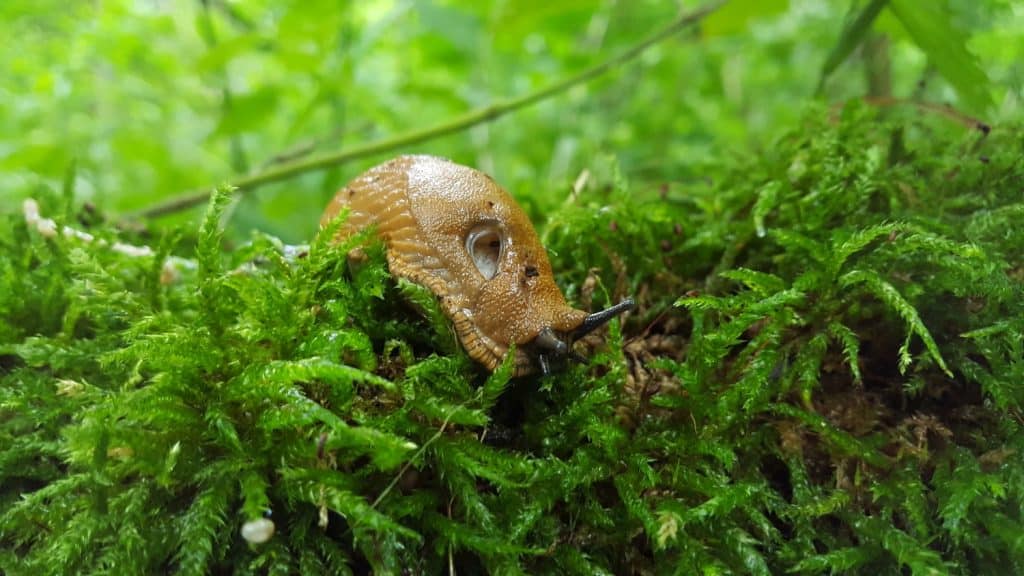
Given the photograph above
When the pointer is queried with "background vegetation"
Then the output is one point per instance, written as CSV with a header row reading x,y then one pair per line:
x,y
816,205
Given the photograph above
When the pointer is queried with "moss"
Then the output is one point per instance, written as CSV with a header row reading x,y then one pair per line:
x,y
824,376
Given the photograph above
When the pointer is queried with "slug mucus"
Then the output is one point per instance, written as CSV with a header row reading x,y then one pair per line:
x,y
455,231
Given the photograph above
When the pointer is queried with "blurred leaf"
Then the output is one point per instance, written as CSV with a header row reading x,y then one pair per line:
x,y
457,27
851,37
47,159
226,50
247,112
933,31
734,16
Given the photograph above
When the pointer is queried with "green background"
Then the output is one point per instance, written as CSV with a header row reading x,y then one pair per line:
x,y
152,99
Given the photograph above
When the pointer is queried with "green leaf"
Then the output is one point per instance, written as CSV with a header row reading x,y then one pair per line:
x,y
203,528
853,34
254,489
208,251
734,17
761,283
837,561
906,550
853,243
498,380
426,303
888,294
851,347
933,31
361,515
247,112
767,198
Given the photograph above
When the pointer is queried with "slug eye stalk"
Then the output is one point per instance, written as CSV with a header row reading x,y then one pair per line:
x,y
549,345
598,319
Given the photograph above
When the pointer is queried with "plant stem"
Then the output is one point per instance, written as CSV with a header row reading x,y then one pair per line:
x,y
471,118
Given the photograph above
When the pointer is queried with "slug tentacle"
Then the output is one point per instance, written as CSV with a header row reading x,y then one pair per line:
x,y
598,319
453,230
546,340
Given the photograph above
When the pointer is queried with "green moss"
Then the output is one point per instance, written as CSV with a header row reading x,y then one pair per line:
x,y
824,376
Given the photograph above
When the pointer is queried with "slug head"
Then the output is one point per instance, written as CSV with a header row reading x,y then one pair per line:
x,y
501,286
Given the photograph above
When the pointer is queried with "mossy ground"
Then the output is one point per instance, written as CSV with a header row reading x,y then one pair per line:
x,y
825,375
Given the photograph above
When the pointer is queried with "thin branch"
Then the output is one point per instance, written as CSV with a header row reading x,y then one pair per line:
x,y
944,110
405,467
478,116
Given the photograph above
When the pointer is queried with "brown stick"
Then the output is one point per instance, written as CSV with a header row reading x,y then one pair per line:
x,y
945,110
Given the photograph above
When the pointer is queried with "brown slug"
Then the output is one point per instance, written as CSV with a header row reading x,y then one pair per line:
x,y
453,230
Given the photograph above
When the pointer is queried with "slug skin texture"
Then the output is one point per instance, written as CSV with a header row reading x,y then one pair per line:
x,y
428,211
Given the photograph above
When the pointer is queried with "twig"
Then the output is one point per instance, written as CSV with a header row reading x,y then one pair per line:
x,y
47,227
405,468
298,151
451,555
302,149
478,116
944,110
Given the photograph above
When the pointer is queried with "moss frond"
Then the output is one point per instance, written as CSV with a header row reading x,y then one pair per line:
x,y
823,376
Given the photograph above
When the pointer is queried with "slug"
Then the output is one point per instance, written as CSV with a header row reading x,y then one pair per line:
x,y
455,231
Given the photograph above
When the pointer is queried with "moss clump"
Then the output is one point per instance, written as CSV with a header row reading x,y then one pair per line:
x,y
824,376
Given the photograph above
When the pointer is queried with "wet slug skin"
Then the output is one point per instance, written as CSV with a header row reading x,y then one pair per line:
x,y
453,230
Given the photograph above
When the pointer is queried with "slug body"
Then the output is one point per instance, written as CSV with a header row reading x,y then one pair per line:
x,y
453,230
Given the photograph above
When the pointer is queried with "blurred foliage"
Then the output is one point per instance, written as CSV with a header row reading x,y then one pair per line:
x,y
152,99
823,374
